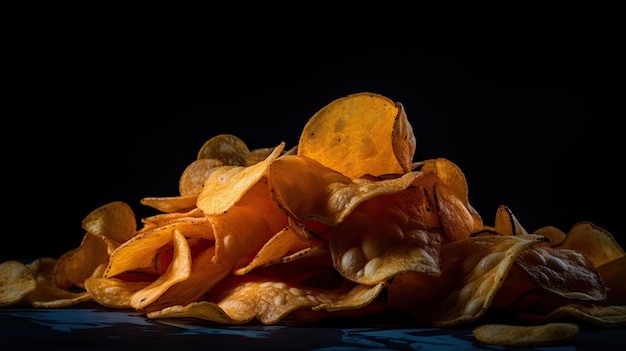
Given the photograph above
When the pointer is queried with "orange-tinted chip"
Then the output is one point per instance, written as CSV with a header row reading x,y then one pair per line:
x,y
360,134
227,148
194,175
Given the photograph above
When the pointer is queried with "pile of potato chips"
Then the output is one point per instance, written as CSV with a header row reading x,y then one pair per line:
x,y
343,224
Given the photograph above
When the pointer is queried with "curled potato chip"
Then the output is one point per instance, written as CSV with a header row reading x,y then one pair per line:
x,y
178,270
227,148
526,336
363,133
331,196
472,271
78,264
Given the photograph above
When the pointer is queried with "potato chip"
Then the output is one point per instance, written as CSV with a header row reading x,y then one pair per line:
x,y
78,264
48,295
170,204
275,249
227,148
113,292
194,175
596,243
360,134
330,195
383,237
178,270
506,223
472,271
115,220
562,272
16,281
227,185
142,250
239,234
526,336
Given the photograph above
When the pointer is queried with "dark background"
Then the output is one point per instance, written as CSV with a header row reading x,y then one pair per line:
x,y
101,110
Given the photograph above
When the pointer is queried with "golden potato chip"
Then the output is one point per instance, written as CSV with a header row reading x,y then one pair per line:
x,y
526,336
113,292
275,249
205,273
78,264
506,223
169,204
16,281
385,236
239,299
115,220
596,243
194,175
48,295
239,233
363,133
141,251
178,270
227,185
227,148
330,196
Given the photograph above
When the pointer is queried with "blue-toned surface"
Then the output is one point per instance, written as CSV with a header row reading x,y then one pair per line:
x,y
100,329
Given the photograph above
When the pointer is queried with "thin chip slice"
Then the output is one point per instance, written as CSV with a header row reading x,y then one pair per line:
x,y
362,133
596,243
227,185
385,236
330,196
506,223
16,281
115,220
240,299
78,264
170,204
275,249
113,292
179,270
227,148
526,336
194,175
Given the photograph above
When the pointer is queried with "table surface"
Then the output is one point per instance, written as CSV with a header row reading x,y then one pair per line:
x,y
95,328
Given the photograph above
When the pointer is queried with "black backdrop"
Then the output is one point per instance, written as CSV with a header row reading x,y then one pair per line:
x,y
100,114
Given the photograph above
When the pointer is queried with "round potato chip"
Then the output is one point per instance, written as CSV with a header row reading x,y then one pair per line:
x,y
228,148
526,336
195,174
16,281
360,134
